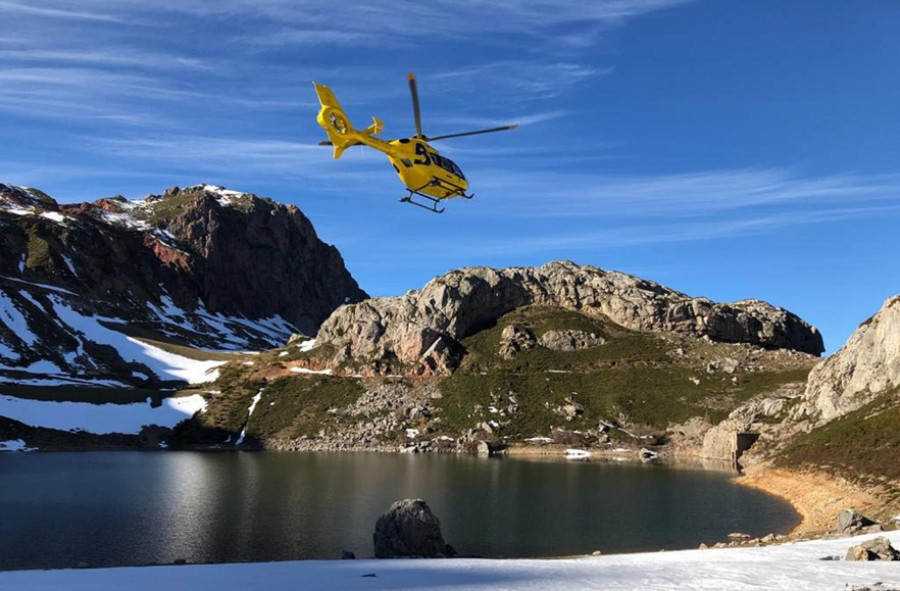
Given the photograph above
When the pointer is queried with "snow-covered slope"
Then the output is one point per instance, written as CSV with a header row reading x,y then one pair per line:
x,y
49,337
802,566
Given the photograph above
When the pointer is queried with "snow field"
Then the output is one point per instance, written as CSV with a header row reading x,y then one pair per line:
x,y
791,567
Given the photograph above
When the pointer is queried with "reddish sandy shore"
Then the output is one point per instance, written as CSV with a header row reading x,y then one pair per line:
x,y
817,497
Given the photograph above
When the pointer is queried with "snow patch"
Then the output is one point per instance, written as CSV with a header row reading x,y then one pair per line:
x,y
18,211
14,445
100,418
192,371
225,197
41,285
250,410
15,320
307,345
54,216
69,264
306,370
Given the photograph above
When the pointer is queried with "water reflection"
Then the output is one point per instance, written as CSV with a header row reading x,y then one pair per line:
x,y
136,508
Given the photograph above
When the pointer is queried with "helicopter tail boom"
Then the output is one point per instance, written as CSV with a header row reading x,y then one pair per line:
x,y
340,132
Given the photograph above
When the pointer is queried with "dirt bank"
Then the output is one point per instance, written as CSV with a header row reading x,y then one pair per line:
x,y
817,497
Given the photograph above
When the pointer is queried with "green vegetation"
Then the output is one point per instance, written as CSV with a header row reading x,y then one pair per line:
x,y
631,377
645,381
170,207
322,352
650,396
621,343
39,253
227,410
860,445
294,406
291,406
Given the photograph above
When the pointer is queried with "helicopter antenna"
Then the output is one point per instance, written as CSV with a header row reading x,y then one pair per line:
x,y
415,100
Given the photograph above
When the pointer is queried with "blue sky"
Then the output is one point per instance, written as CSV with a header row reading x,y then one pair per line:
x,y
723,148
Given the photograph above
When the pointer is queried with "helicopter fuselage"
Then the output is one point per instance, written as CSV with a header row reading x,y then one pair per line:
x,y
420,167
424,170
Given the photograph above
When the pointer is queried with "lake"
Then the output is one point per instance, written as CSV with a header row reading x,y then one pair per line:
x,y
132,508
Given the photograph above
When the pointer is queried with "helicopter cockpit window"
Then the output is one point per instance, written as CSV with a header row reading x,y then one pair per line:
x,y
450,166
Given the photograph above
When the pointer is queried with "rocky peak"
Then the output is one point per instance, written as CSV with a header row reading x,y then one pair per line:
x,y
13,197
867,366
226,251
203,266
423,327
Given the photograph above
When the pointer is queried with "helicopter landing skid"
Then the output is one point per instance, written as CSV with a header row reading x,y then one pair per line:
x,y
433,207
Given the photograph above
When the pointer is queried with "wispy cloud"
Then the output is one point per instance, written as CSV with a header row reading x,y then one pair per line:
x,y
55,13
218,155
95,58
512,80
681,195
639,234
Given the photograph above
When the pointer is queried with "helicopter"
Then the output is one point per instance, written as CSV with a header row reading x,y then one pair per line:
x,y
429,177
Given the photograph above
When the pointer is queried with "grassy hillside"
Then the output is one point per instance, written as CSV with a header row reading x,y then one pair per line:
x,y
861,445
643,382
646,380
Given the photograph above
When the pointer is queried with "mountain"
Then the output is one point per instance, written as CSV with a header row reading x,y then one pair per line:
x,y
423,328
202,267
478,357
561,353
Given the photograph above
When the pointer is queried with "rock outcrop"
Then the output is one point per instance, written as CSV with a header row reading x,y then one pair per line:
x,y
850,522
875,549
409,530
762,417
203,266
570,340
420,331
867,366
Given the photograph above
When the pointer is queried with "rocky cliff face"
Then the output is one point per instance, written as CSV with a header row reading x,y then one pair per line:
x,y
422,328
202,266
865,367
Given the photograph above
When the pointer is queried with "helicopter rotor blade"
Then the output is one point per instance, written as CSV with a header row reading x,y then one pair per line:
x,y
327,143
413,89
465,133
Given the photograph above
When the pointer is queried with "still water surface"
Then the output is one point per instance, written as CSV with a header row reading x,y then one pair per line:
x,y
131,508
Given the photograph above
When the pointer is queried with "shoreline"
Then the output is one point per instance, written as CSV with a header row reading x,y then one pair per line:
x,y
817,497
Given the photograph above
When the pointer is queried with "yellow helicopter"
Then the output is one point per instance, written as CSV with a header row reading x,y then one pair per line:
x,y
425,173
